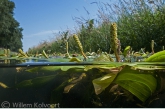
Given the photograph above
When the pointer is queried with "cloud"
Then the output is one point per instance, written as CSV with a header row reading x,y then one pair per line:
x,y
34,39
42,33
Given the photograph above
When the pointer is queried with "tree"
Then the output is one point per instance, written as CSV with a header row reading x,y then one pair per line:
x,y
10,32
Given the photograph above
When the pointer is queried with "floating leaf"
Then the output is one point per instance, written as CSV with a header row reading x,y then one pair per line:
x,y
147,65
44,69
74,59
60,59
50,68
55,68
103,82
103,58
142,85
66,68
33,70
157,57
103,65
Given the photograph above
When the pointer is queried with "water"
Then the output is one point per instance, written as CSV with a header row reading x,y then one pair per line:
x,y
39,83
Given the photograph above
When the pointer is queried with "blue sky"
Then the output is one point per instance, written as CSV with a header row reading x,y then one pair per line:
x,y
40,19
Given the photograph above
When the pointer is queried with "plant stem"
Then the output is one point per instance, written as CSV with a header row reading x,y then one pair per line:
x,y
114,42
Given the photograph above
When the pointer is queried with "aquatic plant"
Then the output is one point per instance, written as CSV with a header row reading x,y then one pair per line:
x,y
44,54
22,53
130,76
114,41
152,46
126,50
79,45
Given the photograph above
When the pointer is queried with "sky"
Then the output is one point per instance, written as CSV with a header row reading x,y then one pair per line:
x,y
41,19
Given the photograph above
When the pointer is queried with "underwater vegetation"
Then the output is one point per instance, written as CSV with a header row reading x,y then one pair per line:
x,y
122,79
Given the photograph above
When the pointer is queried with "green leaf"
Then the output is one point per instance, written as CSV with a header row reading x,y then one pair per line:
x,y
66,68
58,60
147,65
157,57
50,68
126,50
103,82
3,85
44,69
55,68
57,93
142,85
74,59
103,65
102,58
39,81
33,70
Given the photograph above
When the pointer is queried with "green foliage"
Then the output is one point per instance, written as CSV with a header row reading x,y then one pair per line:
x,y
103,82
139,22
126,51
136,82
36,82
130,76
10,32
157,57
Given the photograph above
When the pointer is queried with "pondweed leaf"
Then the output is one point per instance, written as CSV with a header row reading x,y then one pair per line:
x,y
102,58
73,59
39,81
126,50
57,93
58,59
147,65
66,68
44,69
103,65
55,68
157,57
103,82
142,85
3,85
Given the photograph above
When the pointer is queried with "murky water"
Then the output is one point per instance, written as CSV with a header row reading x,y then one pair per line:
x,y
42,84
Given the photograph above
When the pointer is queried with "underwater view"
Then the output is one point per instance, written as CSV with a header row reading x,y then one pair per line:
x,y
114,59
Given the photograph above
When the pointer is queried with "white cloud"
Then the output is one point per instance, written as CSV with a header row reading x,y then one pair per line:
x,y
42,33
34,39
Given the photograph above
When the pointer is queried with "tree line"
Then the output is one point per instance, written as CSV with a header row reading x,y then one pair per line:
x,y
10,32
138,21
